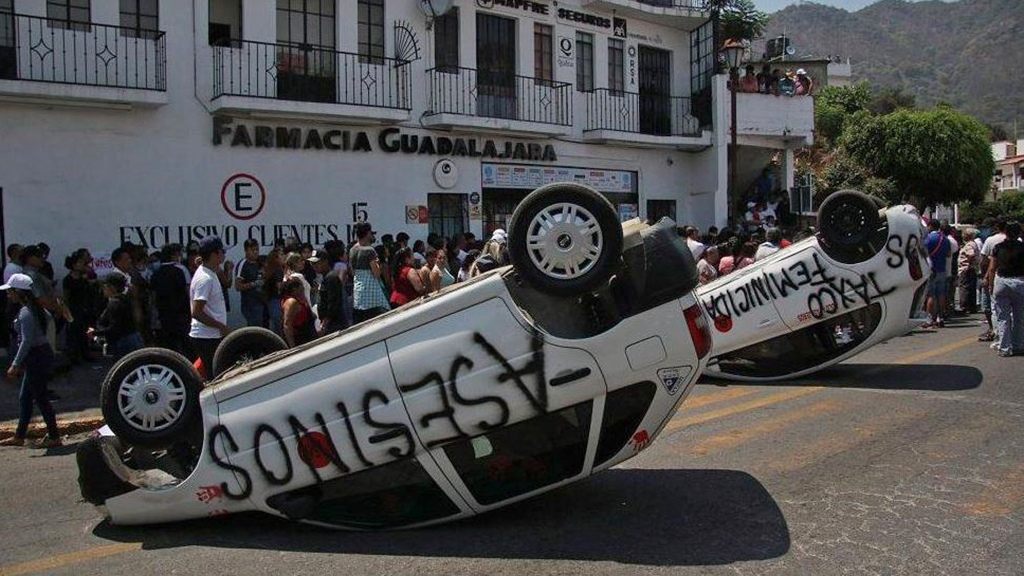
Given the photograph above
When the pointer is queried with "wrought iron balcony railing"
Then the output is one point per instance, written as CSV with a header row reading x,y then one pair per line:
x,y
653,114
497,94
83,53
310,74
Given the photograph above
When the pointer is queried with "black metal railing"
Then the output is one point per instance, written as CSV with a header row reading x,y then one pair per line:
x,y
310,74
497,94
83,53
653,114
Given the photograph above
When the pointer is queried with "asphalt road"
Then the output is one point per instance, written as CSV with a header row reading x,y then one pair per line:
x,y
906,460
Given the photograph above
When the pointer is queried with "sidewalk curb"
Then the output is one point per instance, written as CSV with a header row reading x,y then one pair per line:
x,y
66,427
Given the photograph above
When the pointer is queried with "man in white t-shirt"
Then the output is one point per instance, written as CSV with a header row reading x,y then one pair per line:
x,y
987,248
693,242
206,296
770,246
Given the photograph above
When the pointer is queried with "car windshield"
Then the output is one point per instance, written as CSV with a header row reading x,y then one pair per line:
x,y
805,348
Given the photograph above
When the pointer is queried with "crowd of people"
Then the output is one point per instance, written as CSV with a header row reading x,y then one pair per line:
x,y
722,252
979,270
776,82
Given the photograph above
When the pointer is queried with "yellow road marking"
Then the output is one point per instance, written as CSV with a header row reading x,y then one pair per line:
x,y
731,410
68,559
715,397
734,438
936,352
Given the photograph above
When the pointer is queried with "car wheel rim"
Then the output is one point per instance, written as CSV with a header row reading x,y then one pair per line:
x,y
151,398
564,241
848,220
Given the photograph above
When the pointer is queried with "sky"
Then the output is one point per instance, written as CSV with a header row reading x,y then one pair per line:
x,y
851,5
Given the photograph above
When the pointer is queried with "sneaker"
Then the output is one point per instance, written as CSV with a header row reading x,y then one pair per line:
x,y
994,345
48,442
987,337
1004,354
13,441
941,323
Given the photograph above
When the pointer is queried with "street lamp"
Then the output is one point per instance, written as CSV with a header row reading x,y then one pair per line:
x,y
733,52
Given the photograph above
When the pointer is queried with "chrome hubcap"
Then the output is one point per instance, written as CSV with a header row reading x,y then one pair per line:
x,y
564,241
151,398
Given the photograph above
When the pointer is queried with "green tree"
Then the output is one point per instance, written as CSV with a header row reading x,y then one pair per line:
x,y
890,99
937,156
740,19
844,172
834,105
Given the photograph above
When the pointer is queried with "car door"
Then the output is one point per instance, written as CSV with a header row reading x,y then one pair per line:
x,y
332,444
504,412
741,310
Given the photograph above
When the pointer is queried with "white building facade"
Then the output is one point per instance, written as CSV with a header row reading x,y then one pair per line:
x,y
157,122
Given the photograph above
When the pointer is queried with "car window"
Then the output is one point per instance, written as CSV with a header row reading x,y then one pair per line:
x,y
805,348
623,411
396,494
523,457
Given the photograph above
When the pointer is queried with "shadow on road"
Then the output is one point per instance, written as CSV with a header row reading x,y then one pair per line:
x,y
648,517
932,377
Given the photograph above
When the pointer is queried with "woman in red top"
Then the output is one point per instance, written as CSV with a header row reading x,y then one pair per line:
x,y
298,319
408,283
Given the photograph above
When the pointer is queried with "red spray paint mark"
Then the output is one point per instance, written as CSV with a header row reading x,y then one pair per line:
x,y
723,323
315,449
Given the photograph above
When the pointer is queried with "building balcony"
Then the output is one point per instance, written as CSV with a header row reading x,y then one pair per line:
x,y
774,121
264,79
644,120
465,99
56,62
681,14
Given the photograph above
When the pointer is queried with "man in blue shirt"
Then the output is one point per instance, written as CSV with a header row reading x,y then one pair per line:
x,y
937,246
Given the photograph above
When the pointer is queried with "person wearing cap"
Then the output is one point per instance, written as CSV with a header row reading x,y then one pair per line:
x,y
116,323
33,361
206,297
804,84
330,307
249,282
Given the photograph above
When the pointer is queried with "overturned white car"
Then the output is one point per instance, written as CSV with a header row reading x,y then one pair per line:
x,y
860,281
519,381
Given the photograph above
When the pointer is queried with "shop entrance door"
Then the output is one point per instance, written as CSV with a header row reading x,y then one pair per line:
x,y
498,206
655,91
495,66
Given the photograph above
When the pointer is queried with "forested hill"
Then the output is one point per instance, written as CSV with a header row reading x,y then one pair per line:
x,y
968,53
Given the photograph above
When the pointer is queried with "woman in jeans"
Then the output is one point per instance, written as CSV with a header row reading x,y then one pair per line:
x,y
1006,278
33,361
117,323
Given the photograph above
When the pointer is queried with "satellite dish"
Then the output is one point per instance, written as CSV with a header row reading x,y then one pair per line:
x,y
790,50
435,8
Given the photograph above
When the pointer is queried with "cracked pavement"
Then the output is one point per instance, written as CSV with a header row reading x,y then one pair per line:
x,y
900,461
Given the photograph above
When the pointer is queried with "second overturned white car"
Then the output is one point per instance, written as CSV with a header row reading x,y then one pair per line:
x,y
860,281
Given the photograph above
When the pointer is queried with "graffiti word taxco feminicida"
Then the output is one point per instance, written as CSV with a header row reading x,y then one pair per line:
x,y
389,140
827,294
317,448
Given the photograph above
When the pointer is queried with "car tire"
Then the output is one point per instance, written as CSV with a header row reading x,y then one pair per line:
x,y
565,258
848,219
150,398
245,345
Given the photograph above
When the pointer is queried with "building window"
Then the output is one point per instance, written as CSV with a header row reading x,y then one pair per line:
x,y
543,52
449,214
306,23
584,62
616,66
658,209
446,41
73,14
140,18
371,29
225,22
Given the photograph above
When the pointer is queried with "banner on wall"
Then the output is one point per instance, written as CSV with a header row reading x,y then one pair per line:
x,y
530,177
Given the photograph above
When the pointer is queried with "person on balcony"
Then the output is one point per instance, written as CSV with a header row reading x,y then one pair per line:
x,y
749,82
764,80
804,83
